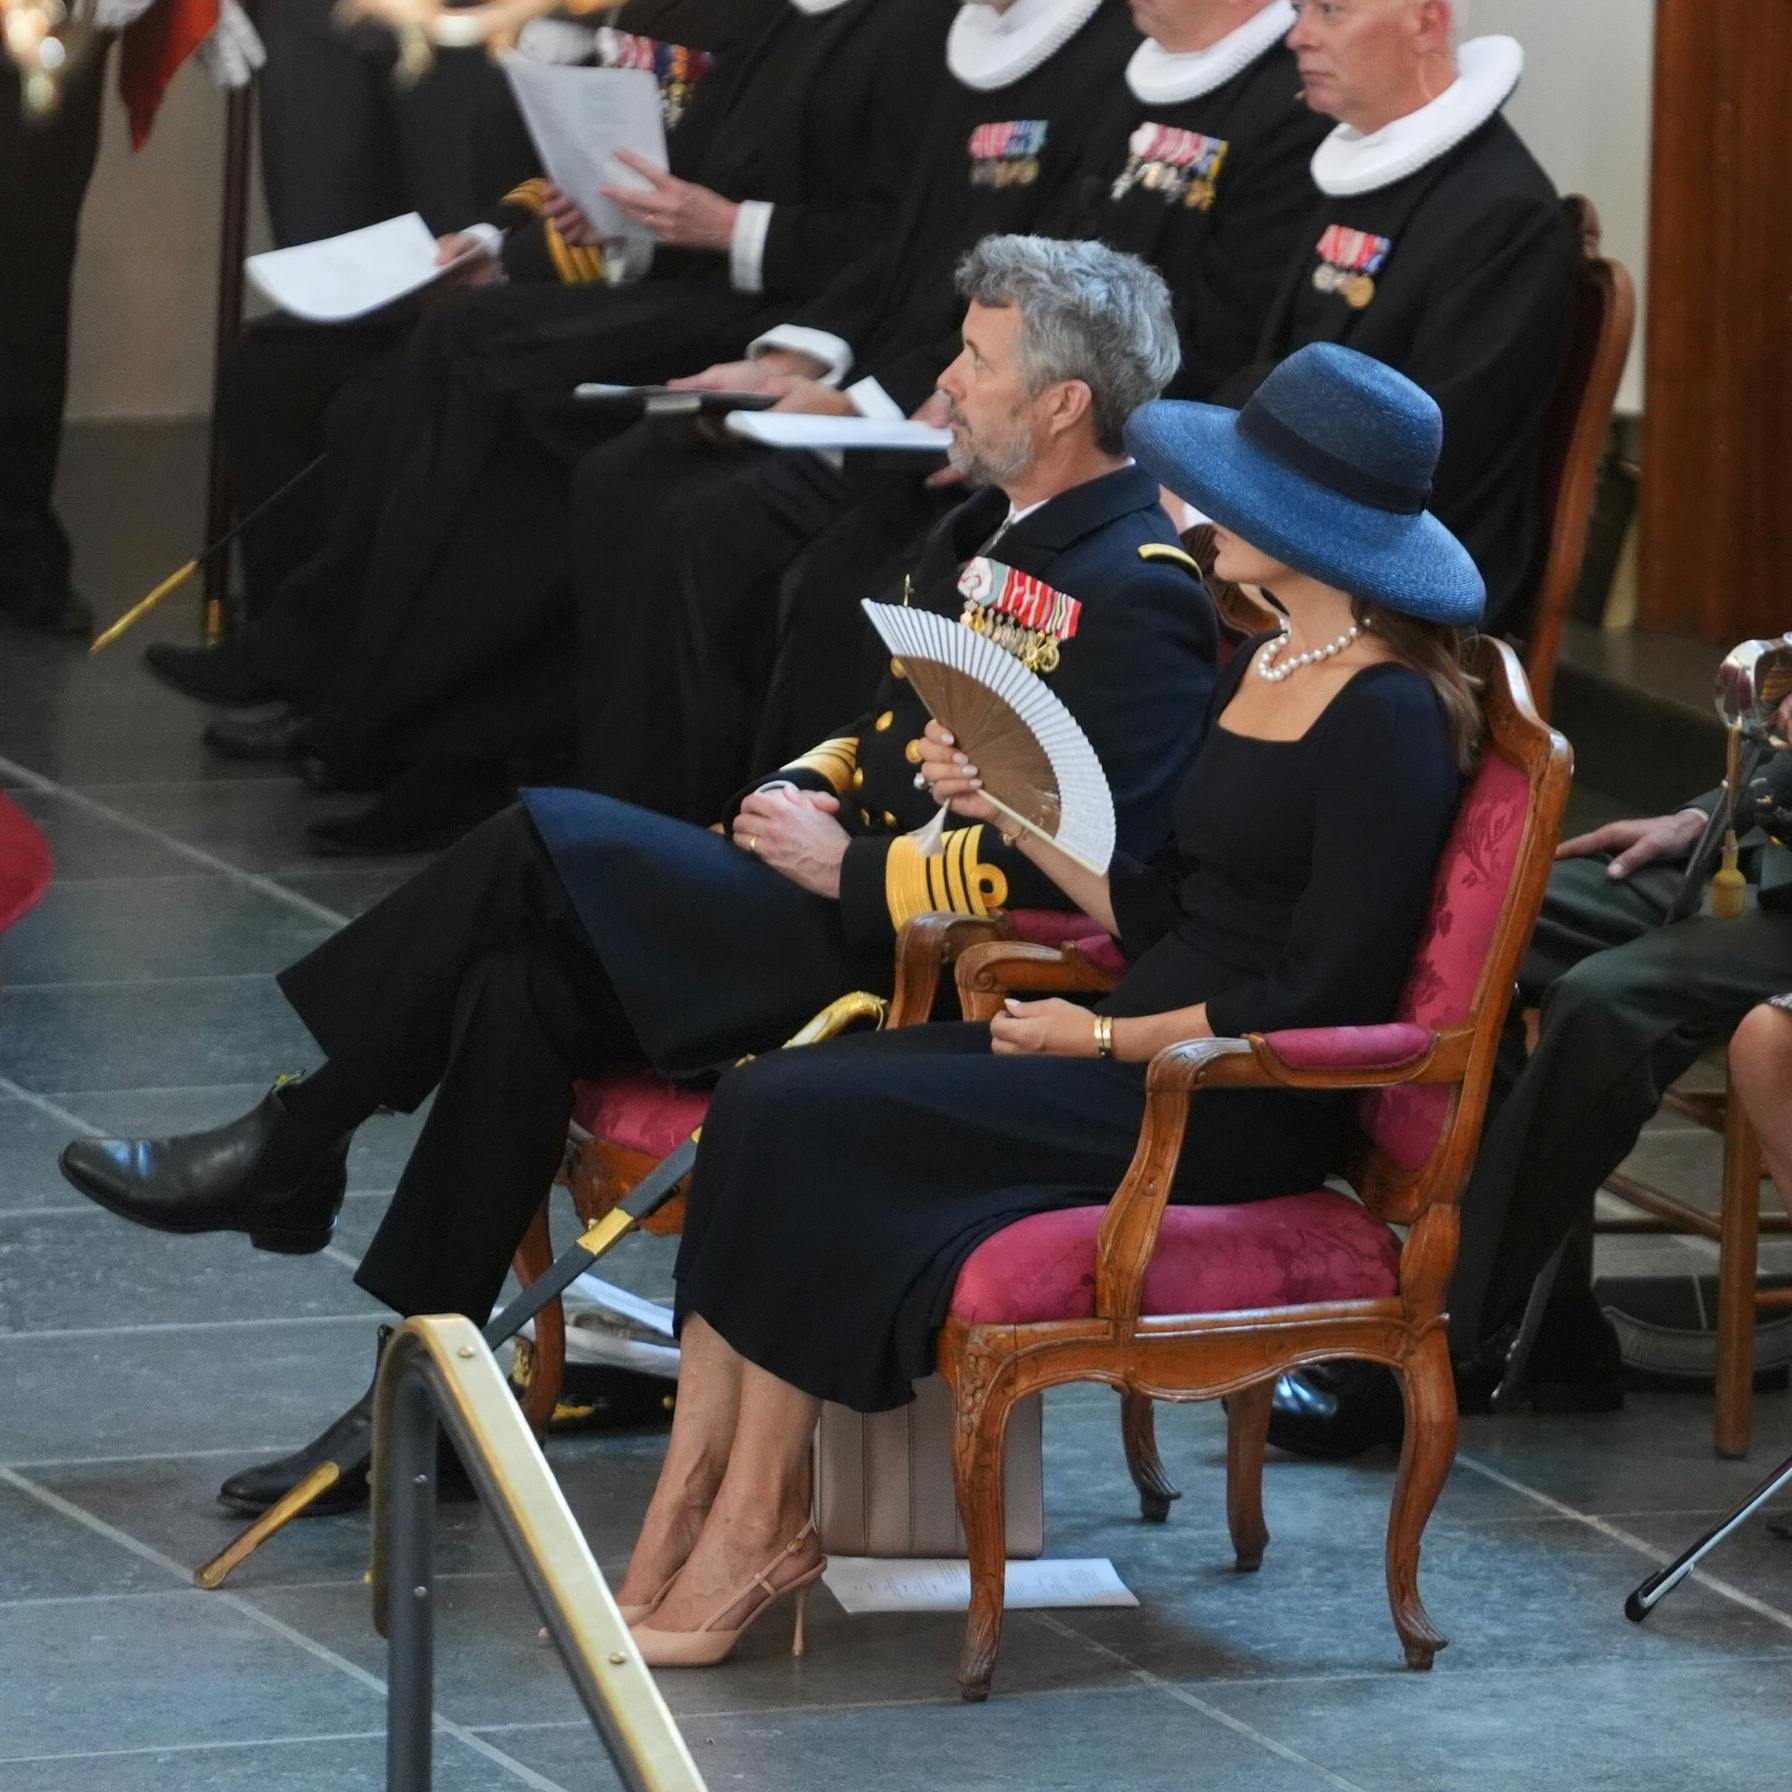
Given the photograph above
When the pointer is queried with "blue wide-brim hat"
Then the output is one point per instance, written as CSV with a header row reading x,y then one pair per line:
x,y
1328,468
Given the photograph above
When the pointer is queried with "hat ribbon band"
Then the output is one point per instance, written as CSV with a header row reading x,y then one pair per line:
x,y
1263,429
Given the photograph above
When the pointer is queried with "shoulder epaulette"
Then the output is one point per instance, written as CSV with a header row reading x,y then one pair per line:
x,y
1161,550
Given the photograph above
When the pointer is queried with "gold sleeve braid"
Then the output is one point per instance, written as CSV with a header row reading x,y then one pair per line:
x,y
531,195
834,760
957,880
575,266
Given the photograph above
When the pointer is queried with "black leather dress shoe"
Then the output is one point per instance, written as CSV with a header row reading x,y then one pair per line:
x,y
1336,1410
274,733
424,810
348,1441
220,675
54,610
218,1181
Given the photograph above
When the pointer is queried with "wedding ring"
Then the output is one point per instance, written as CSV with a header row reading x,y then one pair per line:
x,y
753,843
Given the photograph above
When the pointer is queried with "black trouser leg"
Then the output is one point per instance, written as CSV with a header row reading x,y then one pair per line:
x,y
678,551
1628,1008
45,165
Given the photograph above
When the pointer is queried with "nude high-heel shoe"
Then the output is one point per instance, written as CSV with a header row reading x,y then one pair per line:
x,y
632,1611
707,1646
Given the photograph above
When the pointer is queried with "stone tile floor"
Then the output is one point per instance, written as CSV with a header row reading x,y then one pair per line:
x,y
135,1371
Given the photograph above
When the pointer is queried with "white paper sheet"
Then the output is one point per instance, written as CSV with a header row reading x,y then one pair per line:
x,y
348,276
590,1291
578,118
871,1584
797,429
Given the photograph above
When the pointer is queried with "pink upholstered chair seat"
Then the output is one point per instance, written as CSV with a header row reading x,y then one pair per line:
x,y
638,1111
1053,927
1289,1252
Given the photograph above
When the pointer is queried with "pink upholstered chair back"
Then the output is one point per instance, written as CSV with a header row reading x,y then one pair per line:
x,y
24,863
1488,885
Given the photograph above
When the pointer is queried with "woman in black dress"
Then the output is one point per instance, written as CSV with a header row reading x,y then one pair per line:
x,y
840,1189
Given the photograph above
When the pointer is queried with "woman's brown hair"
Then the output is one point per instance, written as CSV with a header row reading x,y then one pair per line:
x,y
1434,650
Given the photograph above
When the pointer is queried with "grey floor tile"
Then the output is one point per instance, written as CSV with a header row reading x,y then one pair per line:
x,y
285,1765
1753,1559
1135,1737
85,844
63,1667
352,892
51,1556
139,930
1608,1726
273,1386
1653,1456
90,1269
160,1036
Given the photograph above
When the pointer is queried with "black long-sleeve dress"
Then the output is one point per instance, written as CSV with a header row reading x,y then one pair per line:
x,y
840,1188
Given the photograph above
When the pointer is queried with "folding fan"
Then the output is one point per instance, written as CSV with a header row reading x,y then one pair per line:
x,y
1036,764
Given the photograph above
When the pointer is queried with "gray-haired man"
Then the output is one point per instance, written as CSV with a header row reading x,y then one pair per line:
x,y
574,932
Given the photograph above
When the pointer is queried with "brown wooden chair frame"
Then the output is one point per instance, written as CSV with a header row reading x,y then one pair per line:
x,y
1575,438
1202,1356
598,1173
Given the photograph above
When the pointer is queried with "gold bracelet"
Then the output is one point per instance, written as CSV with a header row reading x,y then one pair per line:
x,y
1104,1035
1019,834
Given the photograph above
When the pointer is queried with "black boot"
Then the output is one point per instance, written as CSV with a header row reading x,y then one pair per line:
x,y
1336,1410
260,1174
348,1442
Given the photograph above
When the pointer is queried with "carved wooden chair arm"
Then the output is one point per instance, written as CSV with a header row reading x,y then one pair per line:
x,y
988,973
1376,1057
926,945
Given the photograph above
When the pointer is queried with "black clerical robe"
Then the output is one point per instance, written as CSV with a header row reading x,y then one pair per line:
x,y
1460,276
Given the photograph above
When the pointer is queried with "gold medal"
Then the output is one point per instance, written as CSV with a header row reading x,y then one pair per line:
x,y
1199,197
1359,291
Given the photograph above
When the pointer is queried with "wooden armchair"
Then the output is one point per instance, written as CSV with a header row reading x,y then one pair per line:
x,y
625,1123
1188,1303
1575,436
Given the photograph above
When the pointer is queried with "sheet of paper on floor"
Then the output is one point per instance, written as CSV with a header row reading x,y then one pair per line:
x,y
925,1584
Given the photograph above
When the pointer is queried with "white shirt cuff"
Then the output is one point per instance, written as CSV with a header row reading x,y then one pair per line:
x,y
833,352
746,248
873,401
488,236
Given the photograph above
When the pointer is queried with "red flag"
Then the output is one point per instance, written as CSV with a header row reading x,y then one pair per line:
x,y
154,49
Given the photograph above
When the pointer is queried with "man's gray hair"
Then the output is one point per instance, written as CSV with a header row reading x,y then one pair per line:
x,y
1088,313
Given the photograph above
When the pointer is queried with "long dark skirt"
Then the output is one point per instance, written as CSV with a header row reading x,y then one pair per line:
x,y
840,1188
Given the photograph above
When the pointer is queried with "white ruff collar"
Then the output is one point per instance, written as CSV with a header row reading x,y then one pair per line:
x,y
987,49
1163,77
814,6
1347,162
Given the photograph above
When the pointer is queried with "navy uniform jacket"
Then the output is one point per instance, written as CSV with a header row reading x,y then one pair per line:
x,y
1223,240
713,954
1472,302
997,161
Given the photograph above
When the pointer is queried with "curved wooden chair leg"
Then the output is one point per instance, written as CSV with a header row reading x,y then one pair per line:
x,y
541,1366
983,1399
1247,1437
1138,1427
1426,1456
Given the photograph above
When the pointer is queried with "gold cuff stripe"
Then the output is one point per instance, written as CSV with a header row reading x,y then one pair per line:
x,y
834,760
576,267
530,194
957,881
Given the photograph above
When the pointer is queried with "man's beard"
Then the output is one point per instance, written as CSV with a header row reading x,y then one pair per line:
x,y
992,460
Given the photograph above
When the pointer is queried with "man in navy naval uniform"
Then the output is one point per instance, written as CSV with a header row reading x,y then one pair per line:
x,y
574,932
1200,167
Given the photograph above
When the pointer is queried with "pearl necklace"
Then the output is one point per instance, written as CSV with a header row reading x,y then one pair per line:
x,y
1266,660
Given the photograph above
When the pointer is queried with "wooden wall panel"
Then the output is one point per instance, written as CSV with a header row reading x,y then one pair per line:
x,y
1717,438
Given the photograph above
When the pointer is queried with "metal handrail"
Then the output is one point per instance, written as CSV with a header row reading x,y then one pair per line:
x,y
439,1371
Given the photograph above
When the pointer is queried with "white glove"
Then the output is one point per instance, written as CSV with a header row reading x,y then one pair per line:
x,y
115,15
557,40
234,50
